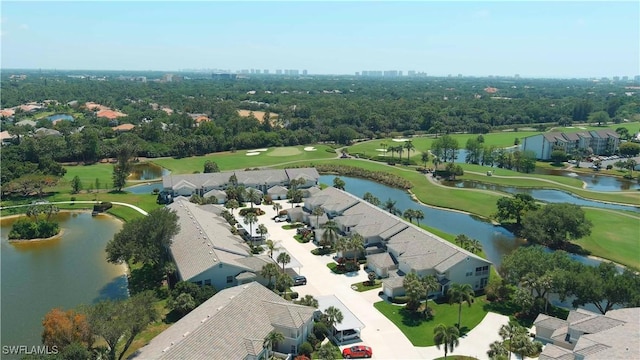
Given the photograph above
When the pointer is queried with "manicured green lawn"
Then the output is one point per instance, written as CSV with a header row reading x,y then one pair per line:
x,y
456,357
88,175
420,331
240,160
613,237
364,285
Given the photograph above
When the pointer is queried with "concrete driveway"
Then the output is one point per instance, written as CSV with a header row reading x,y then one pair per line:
x,y
387,341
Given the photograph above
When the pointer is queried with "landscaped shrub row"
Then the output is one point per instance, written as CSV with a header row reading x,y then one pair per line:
x,y
378,176
256,211
399,299
322,251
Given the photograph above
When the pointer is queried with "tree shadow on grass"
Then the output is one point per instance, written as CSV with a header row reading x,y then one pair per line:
x,y
412,318
145,278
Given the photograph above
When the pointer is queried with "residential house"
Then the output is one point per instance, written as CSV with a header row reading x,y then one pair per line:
x,y
123,128
206,253
233,324
589,336
598,142
262,180
406,248
278,192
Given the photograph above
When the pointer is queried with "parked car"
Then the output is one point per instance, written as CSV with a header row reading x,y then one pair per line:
x,y
346,335
358,351
281,218
299,280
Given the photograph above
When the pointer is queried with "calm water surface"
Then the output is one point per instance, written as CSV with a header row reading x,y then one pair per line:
x,y
60,117
147,171
65,272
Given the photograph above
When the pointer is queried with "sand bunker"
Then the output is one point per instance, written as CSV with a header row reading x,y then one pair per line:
x,y
383,150
258,150
401,140
253,153
310,148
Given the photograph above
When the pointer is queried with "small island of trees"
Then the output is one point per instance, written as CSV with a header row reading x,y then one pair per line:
x,y
37,225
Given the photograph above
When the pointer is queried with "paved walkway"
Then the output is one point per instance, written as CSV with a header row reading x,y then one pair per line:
x,y
387,341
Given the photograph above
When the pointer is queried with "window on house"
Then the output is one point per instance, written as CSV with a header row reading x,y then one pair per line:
x,y
470,273
229,279
482,270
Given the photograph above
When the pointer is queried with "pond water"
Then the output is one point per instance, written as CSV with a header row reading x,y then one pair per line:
x,y
60,117
496,240
144,188
546,195
65,272
594,181
147,171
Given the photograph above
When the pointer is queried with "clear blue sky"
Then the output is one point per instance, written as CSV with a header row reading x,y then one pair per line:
x,y
533,39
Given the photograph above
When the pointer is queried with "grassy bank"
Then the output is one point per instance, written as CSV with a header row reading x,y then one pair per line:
x,y
614,236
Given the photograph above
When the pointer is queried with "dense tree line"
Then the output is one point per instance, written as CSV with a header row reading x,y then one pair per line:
x,y
337,109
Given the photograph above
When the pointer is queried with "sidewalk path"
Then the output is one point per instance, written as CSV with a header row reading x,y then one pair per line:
x,y
83,202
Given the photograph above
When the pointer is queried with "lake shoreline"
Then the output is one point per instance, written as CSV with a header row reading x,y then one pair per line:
x,y
125,267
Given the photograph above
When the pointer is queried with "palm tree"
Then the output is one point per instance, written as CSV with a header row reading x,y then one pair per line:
x,y
474,246
356,244
425,158
232,204
250,219
269,271
283,258
253,196
418,215
522,345
462,240
277,207
430,284
409,214
330,234
496,350
308,300
326,352
409,146
459,293
369,197
262,230
271,246
510,330
272,340
436,161
317,212
447,336
399,150
390,206
333,316
413,289
283,282
342,246
383,145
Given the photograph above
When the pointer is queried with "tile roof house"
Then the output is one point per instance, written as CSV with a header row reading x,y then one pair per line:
x,y
586,335
110,114
233,325
123,127
205,251
263,180
601,142
408,248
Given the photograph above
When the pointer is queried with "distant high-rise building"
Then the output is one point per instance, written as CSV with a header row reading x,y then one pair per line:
x,y
616,78
357,73
625,78
517,76
411,73
399,72
636,78
459,75
252,71
257,71
304,72
278,72
390,73
265,71
244,71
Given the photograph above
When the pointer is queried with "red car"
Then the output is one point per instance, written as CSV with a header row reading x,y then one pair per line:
x,y
358,351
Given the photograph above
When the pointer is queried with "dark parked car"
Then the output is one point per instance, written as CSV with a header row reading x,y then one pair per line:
x,y
299,280
358,351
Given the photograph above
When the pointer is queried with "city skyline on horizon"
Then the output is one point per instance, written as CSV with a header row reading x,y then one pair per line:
x,y
478,39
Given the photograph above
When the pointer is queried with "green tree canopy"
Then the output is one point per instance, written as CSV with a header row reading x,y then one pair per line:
x,y
554,225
